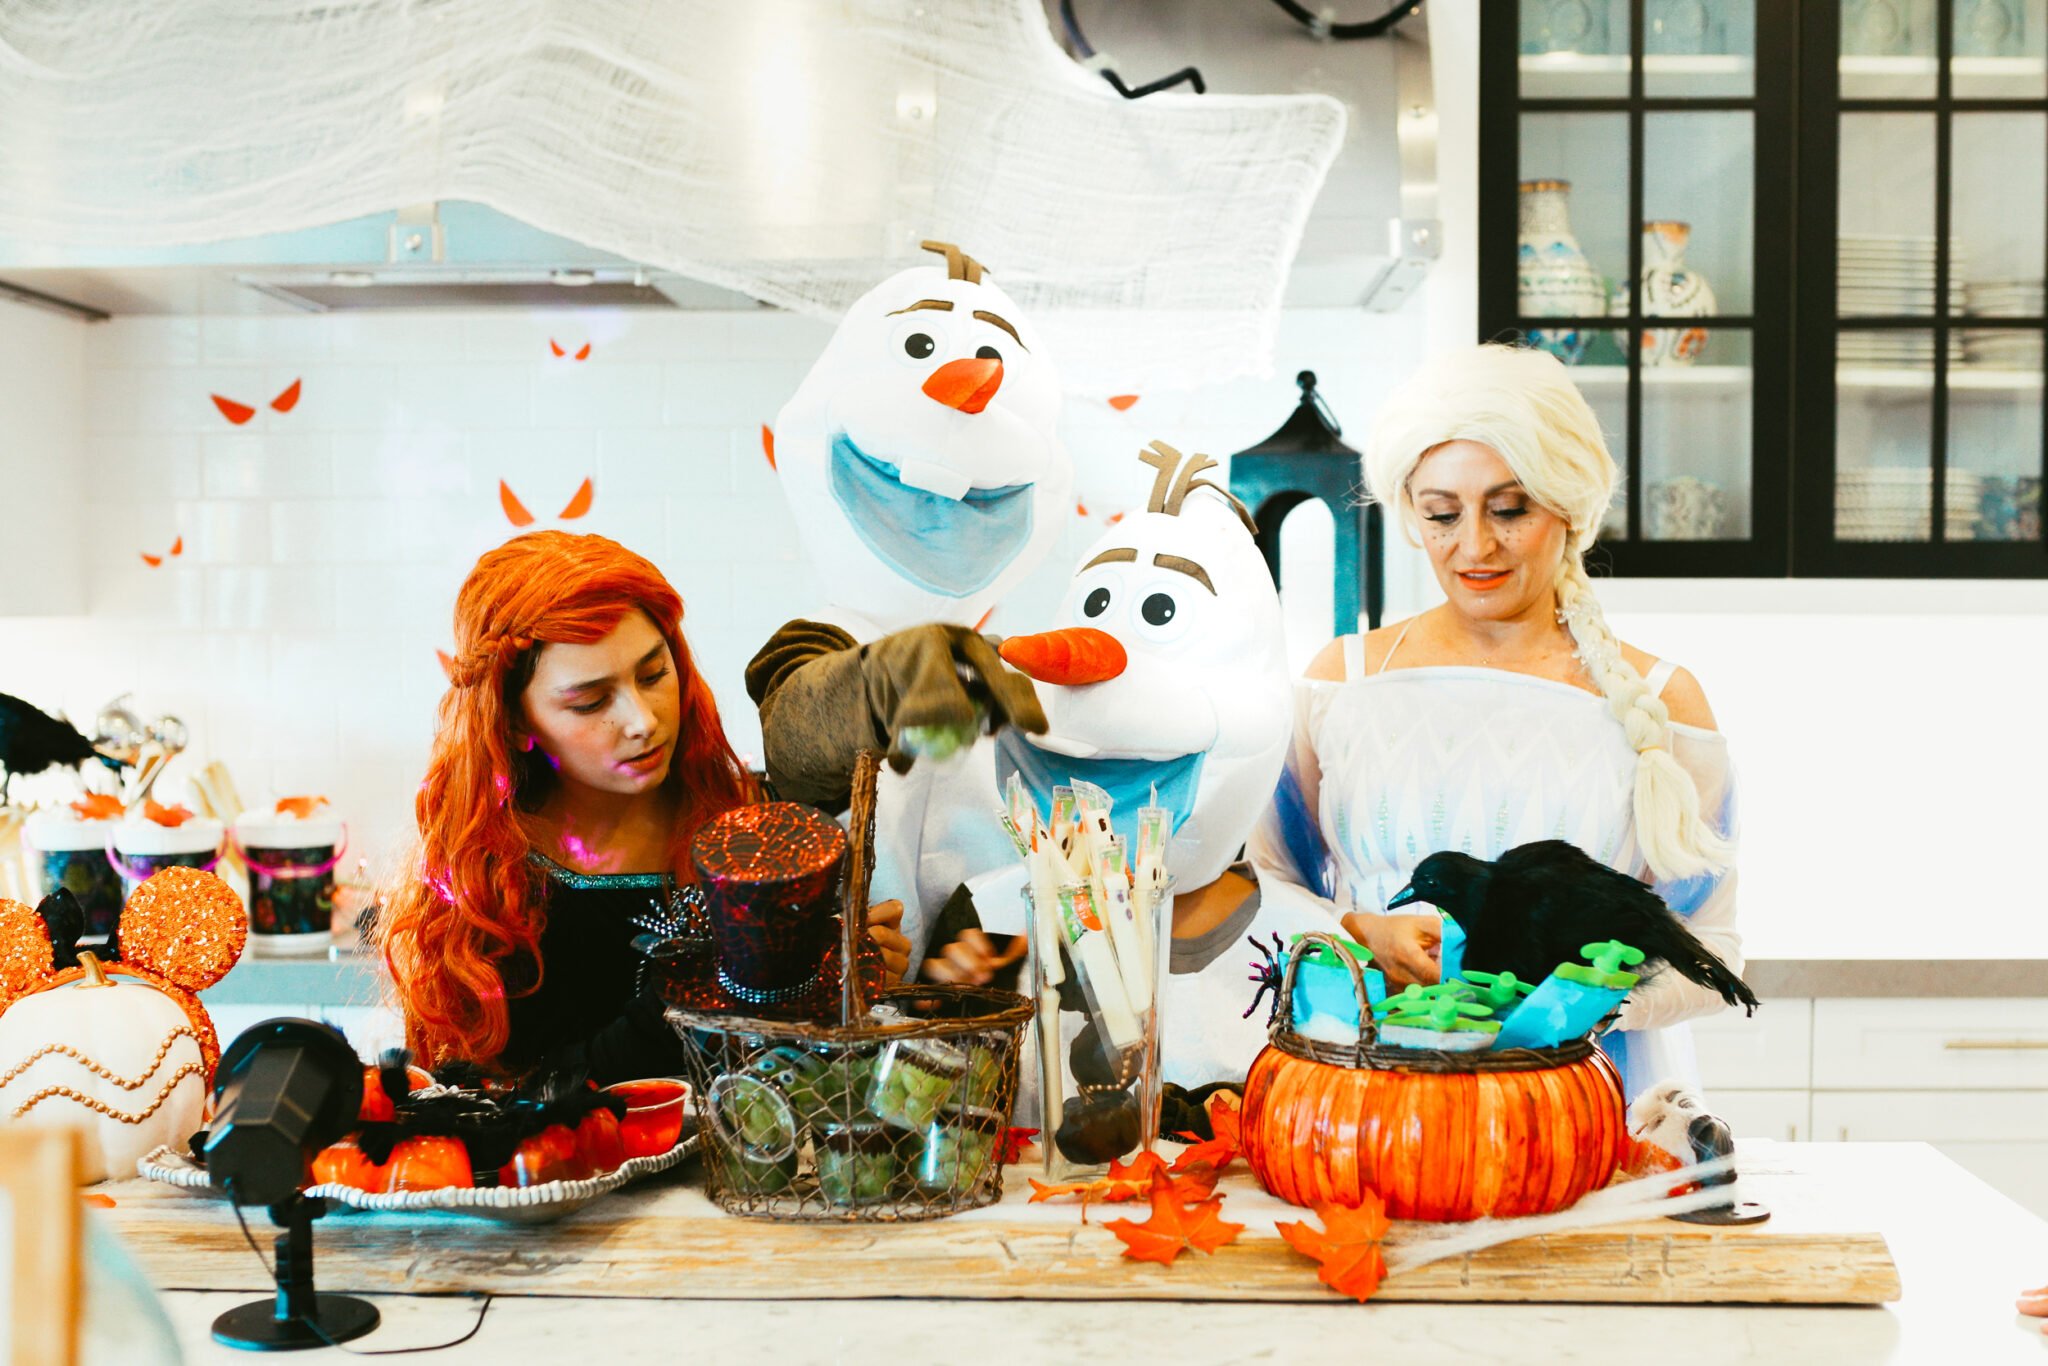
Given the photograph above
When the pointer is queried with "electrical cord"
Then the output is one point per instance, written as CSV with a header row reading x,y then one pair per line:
x,y
321,1333
1322,27
1085,51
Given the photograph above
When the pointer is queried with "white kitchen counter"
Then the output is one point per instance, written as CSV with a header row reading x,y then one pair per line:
x,y
1962,1251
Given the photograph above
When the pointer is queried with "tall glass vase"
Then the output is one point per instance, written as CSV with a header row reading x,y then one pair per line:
x,y
1552,275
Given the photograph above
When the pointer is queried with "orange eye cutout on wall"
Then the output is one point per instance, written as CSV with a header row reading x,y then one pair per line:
x,y
582,352
239,413
156,561
516,512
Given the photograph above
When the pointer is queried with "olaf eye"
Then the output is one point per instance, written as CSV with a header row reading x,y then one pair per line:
x,y
989,353
918,340
1097,603
1159,609
1160,614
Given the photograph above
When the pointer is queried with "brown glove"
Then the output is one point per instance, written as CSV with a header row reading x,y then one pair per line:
x,y
922,692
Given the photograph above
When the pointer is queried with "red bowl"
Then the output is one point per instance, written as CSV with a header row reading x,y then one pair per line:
x,y
654,1114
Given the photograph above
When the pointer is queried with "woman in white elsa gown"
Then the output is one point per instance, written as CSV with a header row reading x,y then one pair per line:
x,y
1510,713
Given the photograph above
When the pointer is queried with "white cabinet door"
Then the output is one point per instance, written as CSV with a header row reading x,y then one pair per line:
x,y
2001,1136
1993,1044
1770,1050
1764,1114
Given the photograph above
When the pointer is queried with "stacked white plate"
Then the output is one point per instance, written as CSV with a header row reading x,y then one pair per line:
x,y
1894,503
1895,349
2004,349
1890,276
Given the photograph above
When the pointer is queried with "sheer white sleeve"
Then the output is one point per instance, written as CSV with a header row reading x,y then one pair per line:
x,y
1287,847
1707,902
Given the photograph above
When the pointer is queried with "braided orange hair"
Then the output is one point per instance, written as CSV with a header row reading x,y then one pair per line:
x,y
474,901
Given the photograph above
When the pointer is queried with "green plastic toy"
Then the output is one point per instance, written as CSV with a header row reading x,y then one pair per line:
x,y
1607,957
1446,1014
1415,998
1499,989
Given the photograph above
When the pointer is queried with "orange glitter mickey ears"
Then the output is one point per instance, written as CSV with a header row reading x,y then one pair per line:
x,y
24,950
184,925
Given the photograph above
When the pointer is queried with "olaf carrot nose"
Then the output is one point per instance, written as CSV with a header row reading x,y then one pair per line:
x,y
966,384
1072,655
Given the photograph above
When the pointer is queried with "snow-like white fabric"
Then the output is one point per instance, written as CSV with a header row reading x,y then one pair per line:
x,y
796,150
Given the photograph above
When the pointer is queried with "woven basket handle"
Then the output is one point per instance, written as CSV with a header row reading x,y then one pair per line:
x,y
1368,1033
860,870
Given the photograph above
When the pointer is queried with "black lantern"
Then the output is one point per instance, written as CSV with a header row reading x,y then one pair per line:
x,y
1305,459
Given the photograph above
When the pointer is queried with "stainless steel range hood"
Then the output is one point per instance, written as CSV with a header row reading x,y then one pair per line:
x,y
1367,243
450,255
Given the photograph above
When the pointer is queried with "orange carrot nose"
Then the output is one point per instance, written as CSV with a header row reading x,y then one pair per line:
x,y
966,384
1071,656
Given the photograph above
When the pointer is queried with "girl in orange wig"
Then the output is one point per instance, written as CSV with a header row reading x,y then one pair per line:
x,y
578,753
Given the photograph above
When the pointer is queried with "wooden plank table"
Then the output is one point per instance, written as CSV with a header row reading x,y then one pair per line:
x,y
1961,1249
664,1240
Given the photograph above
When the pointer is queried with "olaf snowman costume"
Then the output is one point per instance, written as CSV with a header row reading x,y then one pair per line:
x,y
1168,671
922,463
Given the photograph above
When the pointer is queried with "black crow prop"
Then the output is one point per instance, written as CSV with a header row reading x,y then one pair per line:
x,y
1540,903
32,740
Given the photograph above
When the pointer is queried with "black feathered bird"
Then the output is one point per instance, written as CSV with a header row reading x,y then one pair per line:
x,y
1540,903
32,740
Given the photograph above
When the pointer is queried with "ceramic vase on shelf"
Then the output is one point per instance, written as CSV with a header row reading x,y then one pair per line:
x,y
1679,27
1990,28
1875,28
1671,289
1564,26
1552,275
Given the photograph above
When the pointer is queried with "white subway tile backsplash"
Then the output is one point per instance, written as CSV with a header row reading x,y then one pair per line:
x,y
265,598
741,394
332,531
773,334
136,465
730,529
264,340
401,464
588,394
351,394
668,460
266,465
134,342
399,338
466,397
224,531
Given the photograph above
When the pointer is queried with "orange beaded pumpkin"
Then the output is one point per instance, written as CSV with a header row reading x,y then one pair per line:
x,y
1435,1145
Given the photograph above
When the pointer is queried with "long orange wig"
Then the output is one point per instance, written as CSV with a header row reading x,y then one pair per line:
x,y
474,904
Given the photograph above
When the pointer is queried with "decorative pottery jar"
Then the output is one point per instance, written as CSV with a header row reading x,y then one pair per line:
x,y
1553,278
1671,289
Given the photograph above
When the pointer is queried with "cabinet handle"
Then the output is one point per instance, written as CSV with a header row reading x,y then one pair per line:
x,y
1997,1045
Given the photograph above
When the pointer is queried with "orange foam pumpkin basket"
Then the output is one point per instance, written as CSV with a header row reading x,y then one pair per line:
x,y
1440,1136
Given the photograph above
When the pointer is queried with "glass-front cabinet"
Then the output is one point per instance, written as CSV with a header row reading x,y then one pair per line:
x,y
1794,253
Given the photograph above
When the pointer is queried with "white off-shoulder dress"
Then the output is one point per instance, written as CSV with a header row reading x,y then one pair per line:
x,y
1388,768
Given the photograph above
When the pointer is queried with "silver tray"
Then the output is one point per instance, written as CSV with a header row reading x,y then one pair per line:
x,y
506,1204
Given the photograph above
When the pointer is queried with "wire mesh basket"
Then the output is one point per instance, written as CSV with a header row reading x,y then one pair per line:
x,y
894,1112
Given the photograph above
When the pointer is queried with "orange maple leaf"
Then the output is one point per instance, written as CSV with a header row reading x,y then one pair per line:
x,y
1347,1245
1219,1152
172,816
1174,1225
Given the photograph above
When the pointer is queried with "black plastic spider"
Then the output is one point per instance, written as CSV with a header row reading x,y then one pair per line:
x,y
1267,975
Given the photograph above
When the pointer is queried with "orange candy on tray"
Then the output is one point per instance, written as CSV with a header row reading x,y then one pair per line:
x,y
345,1164
425,1164
550,1155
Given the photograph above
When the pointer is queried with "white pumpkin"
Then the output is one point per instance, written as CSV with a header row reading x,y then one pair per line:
x,y
111,1053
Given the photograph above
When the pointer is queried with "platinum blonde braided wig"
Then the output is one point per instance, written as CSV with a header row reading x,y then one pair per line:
x,y
1522,404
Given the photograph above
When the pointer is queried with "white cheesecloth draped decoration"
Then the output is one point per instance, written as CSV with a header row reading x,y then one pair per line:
x,y
796,150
